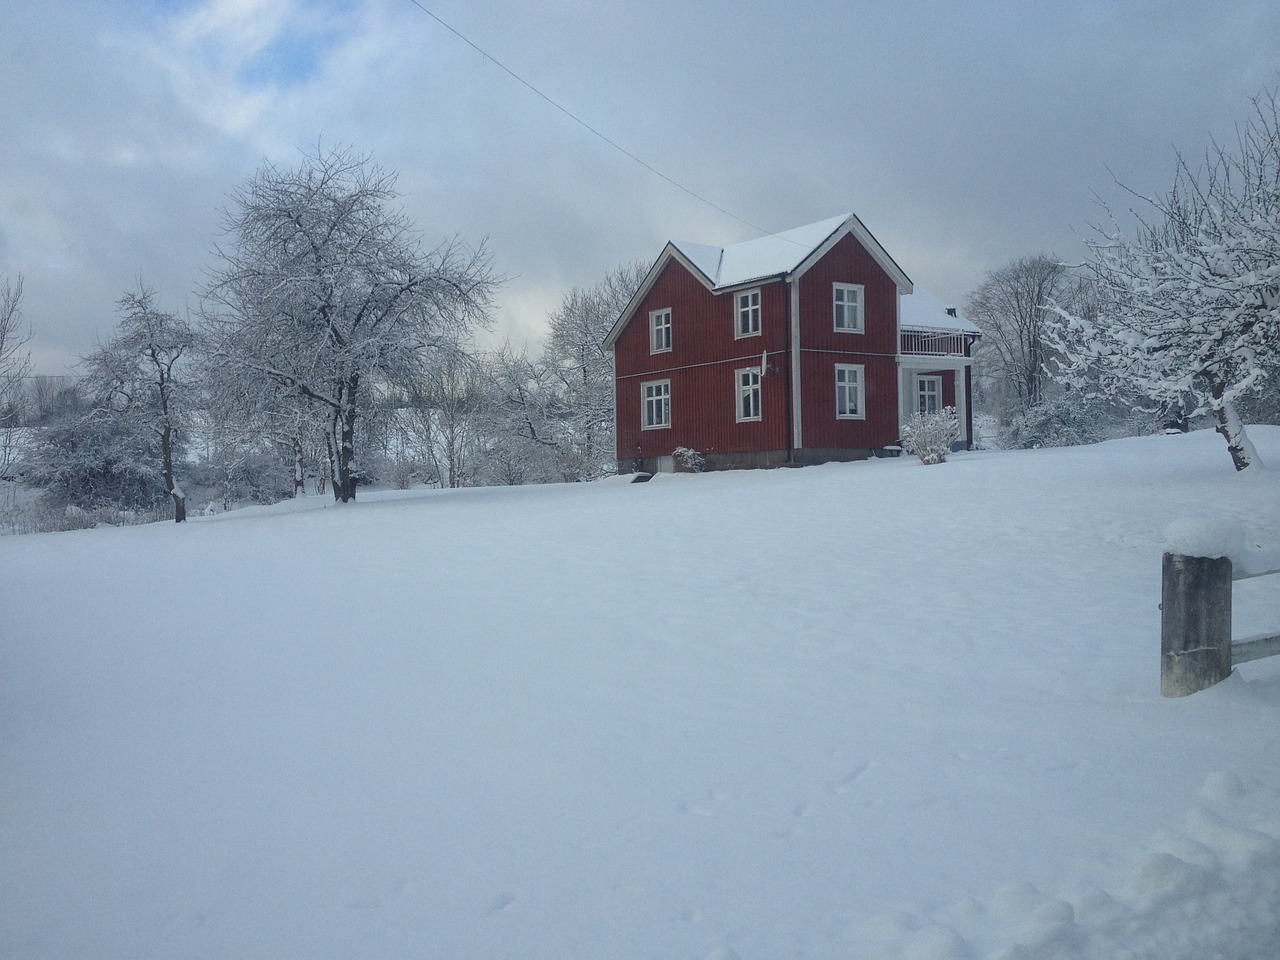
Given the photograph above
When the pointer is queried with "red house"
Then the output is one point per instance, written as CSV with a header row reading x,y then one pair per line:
x,y
797,348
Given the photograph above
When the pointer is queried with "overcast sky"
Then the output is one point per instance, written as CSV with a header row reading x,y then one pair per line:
x,y
963,135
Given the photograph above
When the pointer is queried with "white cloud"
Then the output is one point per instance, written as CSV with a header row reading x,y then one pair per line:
x,y
962,137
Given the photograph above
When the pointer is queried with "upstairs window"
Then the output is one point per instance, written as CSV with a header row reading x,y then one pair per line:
x,y
928,394
846,307
656,400
660,331
748,380
747,314
850,393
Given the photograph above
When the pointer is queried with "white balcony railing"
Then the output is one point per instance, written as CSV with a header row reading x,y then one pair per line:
x,y
935,343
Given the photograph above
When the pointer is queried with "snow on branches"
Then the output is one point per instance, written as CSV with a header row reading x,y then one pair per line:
x,y
1188,309
327,296
930,435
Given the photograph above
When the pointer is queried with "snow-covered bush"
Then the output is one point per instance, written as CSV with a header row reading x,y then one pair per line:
x,y
93,460
1075,418
688,460
251,471
400,474
930,435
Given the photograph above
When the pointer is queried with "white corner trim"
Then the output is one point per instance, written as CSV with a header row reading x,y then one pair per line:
x,y
797,436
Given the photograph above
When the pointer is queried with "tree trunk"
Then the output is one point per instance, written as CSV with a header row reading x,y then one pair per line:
x,y
298,473
166,470
332,453
346,454
1243,454
344,422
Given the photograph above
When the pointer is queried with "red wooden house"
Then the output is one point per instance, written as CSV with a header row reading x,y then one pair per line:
x,y
800,347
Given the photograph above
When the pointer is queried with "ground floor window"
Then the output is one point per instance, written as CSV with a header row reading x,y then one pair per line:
x,y
850,392
928,394
748,380
656,396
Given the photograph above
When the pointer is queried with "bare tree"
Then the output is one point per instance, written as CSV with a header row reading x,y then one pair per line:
x,y
443,419
327,295
583,369
549,416
15,362
524,421
1189,307
137,376
1011,306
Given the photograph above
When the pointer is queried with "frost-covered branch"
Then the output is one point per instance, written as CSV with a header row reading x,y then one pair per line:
x,y
327,294
1188,307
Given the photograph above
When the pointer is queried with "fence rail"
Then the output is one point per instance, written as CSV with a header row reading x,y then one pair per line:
x,y
1196,650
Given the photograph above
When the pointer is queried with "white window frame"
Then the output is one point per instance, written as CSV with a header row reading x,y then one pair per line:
x,y
659,392
660,330
858,384
935,382
747,394
845,296
746,313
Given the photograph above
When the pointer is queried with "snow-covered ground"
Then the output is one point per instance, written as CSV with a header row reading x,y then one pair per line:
x,y
859,710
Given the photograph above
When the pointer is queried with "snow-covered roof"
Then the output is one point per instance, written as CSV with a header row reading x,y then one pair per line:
x,y
921,310
768,256
790,252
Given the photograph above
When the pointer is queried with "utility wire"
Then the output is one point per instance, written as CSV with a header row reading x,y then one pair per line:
x,y
582,123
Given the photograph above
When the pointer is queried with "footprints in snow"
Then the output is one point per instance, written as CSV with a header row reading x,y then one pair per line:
x,y
716,801
845,784
502,901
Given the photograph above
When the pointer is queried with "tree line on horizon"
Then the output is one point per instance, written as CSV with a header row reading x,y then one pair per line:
x,y
331,348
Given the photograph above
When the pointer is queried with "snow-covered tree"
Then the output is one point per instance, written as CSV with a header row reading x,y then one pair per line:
x,y
442,420
1011,306
244,416
15,361
549,416
523,423
583,369
326,293
136,379
86,456
1188,308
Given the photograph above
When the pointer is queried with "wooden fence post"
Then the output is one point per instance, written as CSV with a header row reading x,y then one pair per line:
x,y
1195,623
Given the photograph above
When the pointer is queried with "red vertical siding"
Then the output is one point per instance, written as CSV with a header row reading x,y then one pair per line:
x,y
822,347
701,366
849,262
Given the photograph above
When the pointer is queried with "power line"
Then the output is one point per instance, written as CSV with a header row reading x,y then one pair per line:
x,y
582,123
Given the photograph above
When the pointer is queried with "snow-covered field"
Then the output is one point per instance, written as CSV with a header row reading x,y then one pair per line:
x,y
861,710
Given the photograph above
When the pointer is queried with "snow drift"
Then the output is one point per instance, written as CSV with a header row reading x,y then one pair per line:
x,y
860,710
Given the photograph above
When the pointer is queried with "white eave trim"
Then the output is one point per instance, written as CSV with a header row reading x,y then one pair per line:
x,y
669,252
864,236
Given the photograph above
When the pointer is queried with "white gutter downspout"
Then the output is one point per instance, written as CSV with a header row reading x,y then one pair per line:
x,y
797,438
902,374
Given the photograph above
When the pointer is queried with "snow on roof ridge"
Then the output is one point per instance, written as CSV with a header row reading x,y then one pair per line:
x,y
766,256
703,256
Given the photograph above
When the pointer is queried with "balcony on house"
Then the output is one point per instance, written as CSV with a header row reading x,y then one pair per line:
x,y
935,343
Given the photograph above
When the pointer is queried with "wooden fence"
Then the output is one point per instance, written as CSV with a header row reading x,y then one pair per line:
x,y
1196,650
